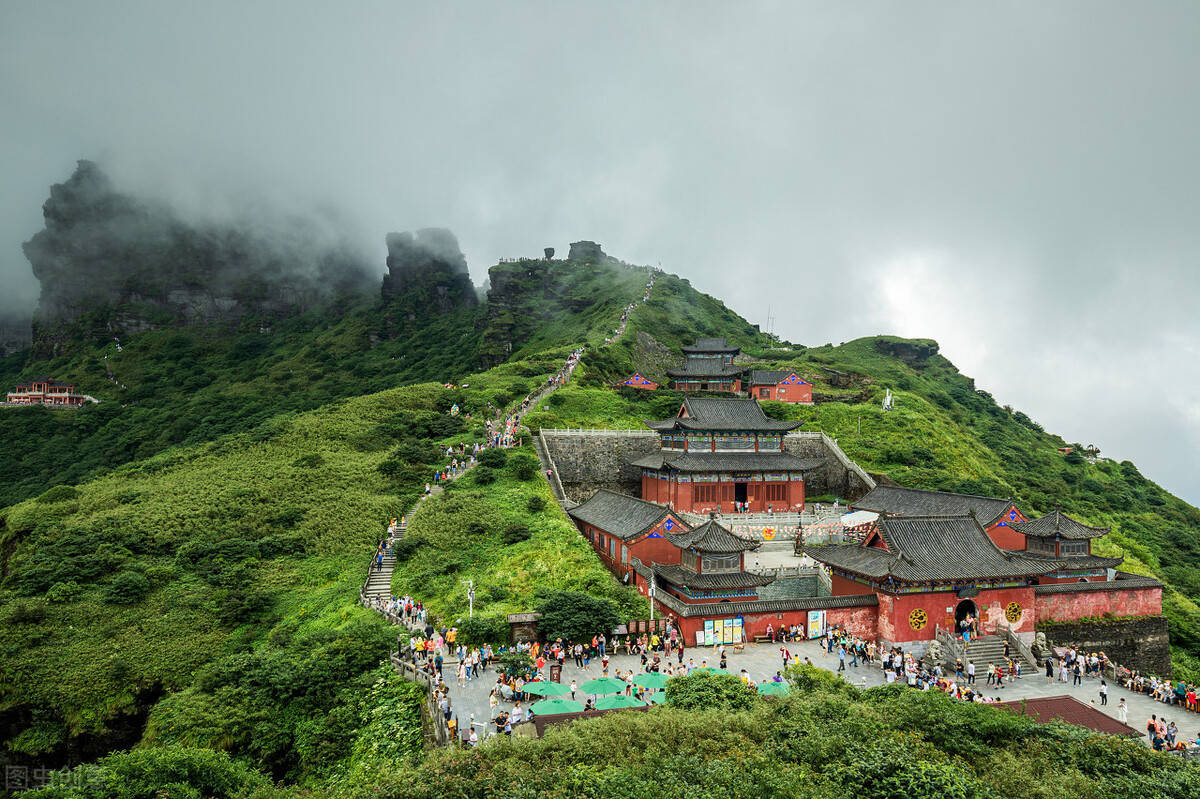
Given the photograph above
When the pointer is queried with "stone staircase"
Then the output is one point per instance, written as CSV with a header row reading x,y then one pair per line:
x,y
990,649
379,581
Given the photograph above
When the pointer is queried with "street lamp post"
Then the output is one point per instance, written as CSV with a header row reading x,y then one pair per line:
x,y
470,597
653,591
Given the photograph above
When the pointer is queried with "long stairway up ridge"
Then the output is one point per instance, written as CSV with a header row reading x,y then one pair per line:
x,y
378,588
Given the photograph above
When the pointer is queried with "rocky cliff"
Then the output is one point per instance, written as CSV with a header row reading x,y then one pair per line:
x,y
427,276
114,264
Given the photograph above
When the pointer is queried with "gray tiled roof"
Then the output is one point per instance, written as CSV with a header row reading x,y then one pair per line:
x,y
1057,523
931,549
1073,563
727,462
705,367
723,413
900,501
621,515
686,609
770,377
711,345
677,575
1124,580
712,537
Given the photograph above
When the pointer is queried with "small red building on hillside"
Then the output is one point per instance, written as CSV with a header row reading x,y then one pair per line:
x,y
45,391
782,385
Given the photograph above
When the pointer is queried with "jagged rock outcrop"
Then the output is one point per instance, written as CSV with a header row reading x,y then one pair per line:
x,y
114,264
587,252
429,268
911,351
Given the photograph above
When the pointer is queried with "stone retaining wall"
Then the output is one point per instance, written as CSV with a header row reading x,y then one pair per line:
x,y
588,460
1140,642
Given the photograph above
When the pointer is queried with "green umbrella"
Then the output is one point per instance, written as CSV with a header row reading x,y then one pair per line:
x,y
614,702
652,680
545,688
658,698
550,706
603,685
773,688
708,670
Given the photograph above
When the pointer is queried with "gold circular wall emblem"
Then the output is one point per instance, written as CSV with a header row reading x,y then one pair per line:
x,y
1013,612
917,619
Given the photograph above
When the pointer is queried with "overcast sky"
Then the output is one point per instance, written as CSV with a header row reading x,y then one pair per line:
x,y
1020,181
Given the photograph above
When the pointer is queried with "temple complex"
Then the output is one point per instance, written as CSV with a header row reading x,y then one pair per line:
x,y
722,455
708,367
45,391
919,563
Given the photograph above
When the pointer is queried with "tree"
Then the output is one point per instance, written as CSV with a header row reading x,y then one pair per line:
x,y
574,616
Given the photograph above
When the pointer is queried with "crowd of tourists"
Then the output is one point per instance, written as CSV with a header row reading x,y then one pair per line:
x,y
1176,693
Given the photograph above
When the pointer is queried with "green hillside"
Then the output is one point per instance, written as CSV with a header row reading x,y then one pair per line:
x,y
190,581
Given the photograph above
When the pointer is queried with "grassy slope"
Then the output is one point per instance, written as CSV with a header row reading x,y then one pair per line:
x,y
543,304
253,548
195,385
462,536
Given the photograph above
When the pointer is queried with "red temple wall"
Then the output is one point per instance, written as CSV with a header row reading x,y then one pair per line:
x,y
1070,606
1004,536
894,612
856,621
654,550
844,586
793,393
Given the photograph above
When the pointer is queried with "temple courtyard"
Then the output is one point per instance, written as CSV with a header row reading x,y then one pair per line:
x,y
761,661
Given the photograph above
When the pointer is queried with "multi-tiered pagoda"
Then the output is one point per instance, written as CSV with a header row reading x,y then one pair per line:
x,y
724,455
709,367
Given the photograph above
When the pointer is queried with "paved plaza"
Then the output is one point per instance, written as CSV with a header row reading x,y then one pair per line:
x,y
761,661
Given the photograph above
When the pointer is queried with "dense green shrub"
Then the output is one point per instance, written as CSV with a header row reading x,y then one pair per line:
x,y
494,457
480,629
27,613
515,533
524,466
157,773
535,504
701,690
64,592
484,474
58,494
126,588
575,616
